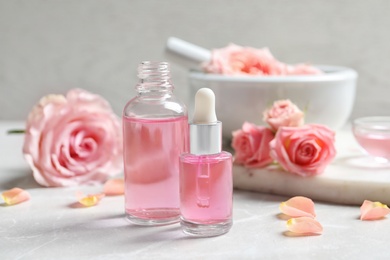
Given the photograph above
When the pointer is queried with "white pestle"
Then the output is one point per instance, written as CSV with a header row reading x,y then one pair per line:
x,y
190,55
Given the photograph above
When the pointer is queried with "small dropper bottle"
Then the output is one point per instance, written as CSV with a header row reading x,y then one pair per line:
x,y
206,182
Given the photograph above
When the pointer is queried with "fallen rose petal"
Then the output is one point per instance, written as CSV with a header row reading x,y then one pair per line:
x,y
114,187
298,207
304,225
373,210
90,199
15,196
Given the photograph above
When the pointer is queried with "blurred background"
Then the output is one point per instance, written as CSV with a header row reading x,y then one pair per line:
x,y
51,46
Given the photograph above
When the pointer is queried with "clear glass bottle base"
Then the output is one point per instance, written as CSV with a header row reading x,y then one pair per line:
x,y
156,217
205,230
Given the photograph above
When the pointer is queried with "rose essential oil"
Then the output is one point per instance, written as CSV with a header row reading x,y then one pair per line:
x,y
206,180
152,148
377,145
373,136
155,133
206,190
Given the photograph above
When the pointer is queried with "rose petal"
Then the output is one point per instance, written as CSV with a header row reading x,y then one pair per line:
x,y
90,199
304,225
15,196
114,187
298,207
373,210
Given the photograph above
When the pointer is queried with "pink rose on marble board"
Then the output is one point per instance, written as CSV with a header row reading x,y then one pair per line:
x,y
238,60
283,113
251,145
72,140
304,150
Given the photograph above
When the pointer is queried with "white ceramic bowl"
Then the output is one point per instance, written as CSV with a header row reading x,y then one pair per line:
x,y
326,99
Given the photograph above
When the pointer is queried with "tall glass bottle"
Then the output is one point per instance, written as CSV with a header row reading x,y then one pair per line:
x,y
155,133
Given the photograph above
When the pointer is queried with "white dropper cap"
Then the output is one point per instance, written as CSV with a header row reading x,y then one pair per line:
x,y
204,107
205,129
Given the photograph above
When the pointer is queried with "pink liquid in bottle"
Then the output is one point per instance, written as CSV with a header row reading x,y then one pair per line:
x,y
206,193
377,145
151,151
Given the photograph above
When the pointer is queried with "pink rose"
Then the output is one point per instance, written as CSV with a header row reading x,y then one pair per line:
x,y
73,140
251,145
305,150
238,60
283,113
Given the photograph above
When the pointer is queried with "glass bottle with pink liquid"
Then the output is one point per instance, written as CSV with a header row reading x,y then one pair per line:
x,y
206,181
155,133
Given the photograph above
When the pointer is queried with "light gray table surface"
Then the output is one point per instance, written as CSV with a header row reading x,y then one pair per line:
x,y
50,227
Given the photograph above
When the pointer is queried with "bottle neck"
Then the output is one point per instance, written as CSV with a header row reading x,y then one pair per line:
x,y
154,77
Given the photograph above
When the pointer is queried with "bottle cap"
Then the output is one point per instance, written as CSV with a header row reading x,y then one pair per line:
x,y
205,129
